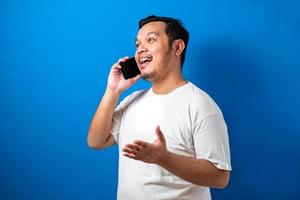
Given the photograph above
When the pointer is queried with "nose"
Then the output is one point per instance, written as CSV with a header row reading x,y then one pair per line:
x,y
141,49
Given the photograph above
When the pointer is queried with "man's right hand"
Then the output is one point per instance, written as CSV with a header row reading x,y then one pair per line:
x,y
99,135
116,81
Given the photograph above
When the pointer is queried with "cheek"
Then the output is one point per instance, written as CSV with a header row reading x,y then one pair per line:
x,y
158,52
136,56
162,55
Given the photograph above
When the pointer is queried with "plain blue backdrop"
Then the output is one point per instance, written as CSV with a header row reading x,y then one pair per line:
x,y
54,60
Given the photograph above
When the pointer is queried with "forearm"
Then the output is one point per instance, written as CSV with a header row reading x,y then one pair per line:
x,y
101,124
197,171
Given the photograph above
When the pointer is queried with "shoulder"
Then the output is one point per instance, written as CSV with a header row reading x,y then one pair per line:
x,y
133,97
136,95
201,103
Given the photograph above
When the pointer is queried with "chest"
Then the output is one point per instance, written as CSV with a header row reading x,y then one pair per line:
x,y
141,119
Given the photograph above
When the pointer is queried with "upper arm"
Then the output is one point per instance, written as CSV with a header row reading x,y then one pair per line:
x,y
219,177
224,177
108,142
211,141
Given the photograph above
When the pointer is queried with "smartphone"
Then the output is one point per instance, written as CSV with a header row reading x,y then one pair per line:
x,y
129,68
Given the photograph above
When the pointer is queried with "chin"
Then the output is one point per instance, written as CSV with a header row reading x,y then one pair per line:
x,y
150,76
146,77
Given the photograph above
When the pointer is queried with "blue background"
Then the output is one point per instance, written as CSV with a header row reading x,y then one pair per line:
x,y
54,60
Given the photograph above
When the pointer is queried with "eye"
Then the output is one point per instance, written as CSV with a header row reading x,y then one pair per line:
x,y
137,45
151,39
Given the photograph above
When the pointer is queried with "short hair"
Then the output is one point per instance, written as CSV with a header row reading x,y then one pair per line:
x,y
174,30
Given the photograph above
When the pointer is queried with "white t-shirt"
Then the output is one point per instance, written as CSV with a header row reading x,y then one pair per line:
x,y
193,126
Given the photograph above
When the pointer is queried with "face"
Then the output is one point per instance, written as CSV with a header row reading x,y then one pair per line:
x,y
153,52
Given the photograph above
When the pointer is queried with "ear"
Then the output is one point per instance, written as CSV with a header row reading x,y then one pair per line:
x,y
178,46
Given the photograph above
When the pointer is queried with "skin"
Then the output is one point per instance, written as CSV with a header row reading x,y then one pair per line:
x,y
164,72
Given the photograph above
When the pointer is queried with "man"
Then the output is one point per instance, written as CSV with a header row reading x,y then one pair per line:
x,y
172,138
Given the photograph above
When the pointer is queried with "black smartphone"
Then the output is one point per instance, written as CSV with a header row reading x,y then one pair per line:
x,y
129,68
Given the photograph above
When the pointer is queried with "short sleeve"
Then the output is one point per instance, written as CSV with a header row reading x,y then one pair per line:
x,y
117,118
211,141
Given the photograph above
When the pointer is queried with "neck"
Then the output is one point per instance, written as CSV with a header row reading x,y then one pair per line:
x,y
168,84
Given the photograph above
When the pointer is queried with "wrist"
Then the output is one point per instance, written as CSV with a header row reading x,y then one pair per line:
x,y
113,92
112,96
164,159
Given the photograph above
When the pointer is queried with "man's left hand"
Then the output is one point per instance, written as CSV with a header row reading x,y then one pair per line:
x,y
148,152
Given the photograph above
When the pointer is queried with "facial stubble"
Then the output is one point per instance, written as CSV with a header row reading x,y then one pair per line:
x,y
153,75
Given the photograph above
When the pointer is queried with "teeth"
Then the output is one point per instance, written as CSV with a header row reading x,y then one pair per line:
x,y
145,59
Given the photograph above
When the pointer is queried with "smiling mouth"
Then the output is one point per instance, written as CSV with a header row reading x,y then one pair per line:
x,y
145,60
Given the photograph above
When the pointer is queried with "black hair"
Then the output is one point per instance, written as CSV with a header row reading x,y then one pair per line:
x,y
174,30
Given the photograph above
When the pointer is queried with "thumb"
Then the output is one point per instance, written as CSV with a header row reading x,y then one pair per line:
x,y
160,135
137,78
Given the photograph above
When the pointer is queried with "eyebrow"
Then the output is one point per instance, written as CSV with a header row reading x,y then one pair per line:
x,y
152,32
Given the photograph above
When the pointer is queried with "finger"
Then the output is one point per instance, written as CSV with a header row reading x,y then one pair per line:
x,y
136,78
142,144
134,156
120,60
139,148
133,148
129,151
116,66
116,69
123,59
129,155
160,135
